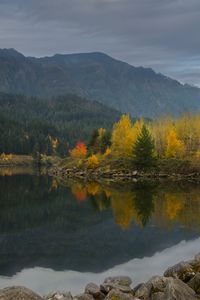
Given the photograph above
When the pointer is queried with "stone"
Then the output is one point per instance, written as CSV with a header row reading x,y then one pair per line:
x,y
183,271
157,296
115,294
142,291
120,283
106,288
59,296
194,283
18,293
94,290
119,280
164,288
175,289
84,296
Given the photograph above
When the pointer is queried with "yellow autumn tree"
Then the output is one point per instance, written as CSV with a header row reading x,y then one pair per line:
x,y
101,132
122,138
159,130
187,128
93,162
137,127
174,146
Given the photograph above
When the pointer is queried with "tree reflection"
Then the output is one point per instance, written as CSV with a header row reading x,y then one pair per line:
x,y
144,201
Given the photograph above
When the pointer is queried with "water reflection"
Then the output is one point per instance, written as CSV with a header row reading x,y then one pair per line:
x,y
76,229
44,280
164,203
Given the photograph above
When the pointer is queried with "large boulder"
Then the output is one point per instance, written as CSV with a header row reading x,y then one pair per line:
x,y
95,291
18,293
194,283
121,283
163,288
183,271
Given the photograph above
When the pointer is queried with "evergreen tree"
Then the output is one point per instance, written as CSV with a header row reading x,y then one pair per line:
x,y
105,141
93,144
144,150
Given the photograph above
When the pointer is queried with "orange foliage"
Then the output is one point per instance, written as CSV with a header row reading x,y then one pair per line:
x,y
79,192
80,150
80,195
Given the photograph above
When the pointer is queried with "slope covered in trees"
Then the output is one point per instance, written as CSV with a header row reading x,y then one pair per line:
x,y
49,125
97,76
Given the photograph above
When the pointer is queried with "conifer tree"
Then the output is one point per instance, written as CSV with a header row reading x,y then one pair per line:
x,y
144,150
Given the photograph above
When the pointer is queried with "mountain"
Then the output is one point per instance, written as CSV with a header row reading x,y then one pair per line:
x,y
26,123
97,76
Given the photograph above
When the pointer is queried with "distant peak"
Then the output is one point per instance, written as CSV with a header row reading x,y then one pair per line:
x,y
10,52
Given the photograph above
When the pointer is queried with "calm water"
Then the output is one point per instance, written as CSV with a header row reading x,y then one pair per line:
x,y
62,236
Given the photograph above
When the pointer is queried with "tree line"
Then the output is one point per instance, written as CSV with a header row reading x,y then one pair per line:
x,y
143,142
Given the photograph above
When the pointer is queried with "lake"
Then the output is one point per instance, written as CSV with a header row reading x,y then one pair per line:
x,y
61,236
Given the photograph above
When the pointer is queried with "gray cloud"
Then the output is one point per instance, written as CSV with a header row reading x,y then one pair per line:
x,y
163,35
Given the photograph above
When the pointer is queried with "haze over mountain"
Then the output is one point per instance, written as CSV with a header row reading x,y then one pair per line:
x,y
97,76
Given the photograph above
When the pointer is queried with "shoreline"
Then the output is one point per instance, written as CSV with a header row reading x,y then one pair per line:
x,y
119,175
181,282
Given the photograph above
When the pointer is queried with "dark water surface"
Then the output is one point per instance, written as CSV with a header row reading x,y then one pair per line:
x,y
62,236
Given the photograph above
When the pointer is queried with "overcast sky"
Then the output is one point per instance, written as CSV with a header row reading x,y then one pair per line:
x,y
162,34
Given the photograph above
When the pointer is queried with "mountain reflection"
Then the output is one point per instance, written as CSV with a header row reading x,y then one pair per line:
x,y
77,225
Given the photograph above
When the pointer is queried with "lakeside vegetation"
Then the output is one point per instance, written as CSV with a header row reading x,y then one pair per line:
x,y
165,144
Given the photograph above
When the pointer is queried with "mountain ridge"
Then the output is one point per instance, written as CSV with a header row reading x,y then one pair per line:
x,y
97,76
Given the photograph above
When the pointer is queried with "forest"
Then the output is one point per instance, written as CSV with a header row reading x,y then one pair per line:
x,y
49,126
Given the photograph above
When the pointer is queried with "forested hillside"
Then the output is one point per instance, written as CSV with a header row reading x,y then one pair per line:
x,y
97,76
48,126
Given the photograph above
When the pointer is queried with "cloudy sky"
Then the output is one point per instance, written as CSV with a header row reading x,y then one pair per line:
x,y
162,34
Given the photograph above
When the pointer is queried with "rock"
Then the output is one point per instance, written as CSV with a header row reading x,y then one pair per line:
x,y
195,263
142,291
95,291
115,294
120,283
59,296
106,288
165,288
157,296
197,257
119,280
92,289
18,293
182,271
194,283
84,296
134,173
177,290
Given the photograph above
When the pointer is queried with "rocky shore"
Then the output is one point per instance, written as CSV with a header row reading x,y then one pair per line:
x,y
179,282
117,175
